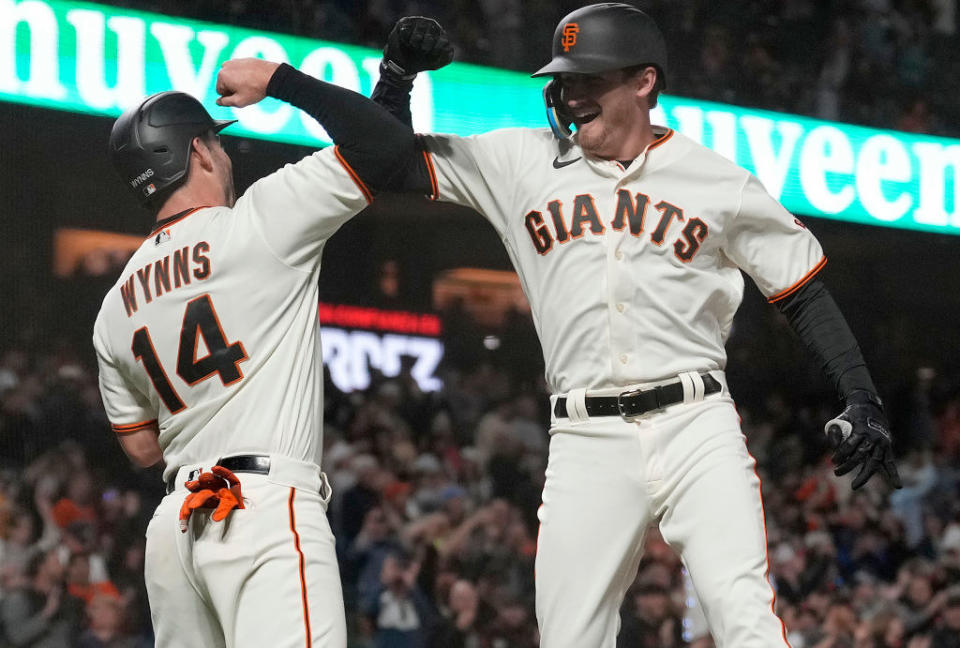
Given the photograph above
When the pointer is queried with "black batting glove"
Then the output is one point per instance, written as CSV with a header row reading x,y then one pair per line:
x,y
415,44
861,437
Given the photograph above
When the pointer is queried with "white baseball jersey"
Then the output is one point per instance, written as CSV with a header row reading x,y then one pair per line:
x,y
632,273
212,329
633,276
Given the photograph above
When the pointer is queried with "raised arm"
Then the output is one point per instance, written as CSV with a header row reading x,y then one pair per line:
x,y
415,44
370,139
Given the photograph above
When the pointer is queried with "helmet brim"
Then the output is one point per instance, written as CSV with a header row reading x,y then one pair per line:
x,y
582,65
566,66
220,124
556,66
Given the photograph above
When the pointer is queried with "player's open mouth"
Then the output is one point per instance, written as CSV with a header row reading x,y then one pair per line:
x,y
585,118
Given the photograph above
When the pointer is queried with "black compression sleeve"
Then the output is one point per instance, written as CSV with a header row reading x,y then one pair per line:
x,y
416,177
394,94
371,140
815,317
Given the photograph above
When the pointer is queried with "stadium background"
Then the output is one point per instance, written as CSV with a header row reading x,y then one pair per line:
x,y
436,492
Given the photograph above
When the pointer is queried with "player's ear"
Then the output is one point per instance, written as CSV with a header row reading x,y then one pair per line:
x,y
201,151
645,84
646,79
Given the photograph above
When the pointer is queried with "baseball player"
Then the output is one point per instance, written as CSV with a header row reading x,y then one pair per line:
x,y
209,356
629,240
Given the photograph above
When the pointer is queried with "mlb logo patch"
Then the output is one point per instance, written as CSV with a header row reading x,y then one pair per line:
x,y
149,189
162,237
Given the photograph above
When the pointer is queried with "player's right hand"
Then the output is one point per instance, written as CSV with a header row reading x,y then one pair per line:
x,y
243,82
415,44
860,436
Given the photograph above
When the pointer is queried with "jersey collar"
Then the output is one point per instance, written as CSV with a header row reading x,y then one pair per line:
x,y
662,135
170,220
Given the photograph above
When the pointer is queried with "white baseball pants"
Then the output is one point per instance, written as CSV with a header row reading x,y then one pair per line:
x,y
607,479
265,576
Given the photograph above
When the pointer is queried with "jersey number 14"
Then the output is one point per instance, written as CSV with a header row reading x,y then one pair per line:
x,y
199,319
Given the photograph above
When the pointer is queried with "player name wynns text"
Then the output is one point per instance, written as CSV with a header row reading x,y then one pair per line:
x,y
166,274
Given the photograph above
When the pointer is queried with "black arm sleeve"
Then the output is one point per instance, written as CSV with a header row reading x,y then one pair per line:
x,y
394,95
815,317
373,142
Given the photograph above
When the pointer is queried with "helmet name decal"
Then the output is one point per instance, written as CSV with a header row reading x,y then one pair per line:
x,y
569,38
141,178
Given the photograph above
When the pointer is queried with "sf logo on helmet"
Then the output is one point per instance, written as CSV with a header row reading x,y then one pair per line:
x,y
569,39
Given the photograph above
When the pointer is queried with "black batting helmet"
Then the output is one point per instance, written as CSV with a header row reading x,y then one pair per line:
x,y
606,36
150,143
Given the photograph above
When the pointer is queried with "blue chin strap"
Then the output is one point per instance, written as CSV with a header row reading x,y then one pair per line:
x,y
551,101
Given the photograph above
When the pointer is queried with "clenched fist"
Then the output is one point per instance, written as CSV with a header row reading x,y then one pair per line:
x,y
416,44
243,82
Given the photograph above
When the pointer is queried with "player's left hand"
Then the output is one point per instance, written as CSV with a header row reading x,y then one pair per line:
x,y
415,44
243,82
860,436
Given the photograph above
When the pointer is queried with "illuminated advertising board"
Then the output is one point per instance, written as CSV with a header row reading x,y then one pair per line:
x,y
97,59
357,339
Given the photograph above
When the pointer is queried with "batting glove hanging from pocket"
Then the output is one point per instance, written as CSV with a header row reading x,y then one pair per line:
x,y
218,489
860,436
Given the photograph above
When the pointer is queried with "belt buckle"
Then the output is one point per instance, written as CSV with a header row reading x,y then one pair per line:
x,y
620,407
658,397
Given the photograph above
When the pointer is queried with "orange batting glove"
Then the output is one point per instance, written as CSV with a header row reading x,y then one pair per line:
x,y
218,489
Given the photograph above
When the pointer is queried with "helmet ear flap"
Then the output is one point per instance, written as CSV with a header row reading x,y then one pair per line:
x,y
557,116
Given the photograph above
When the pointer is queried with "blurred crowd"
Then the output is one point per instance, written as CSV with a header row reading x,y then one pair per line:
x,y
435,508
882,63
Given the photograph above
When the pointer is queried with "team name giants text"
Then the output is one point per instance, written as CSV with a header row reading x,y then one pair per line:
x,y
631,211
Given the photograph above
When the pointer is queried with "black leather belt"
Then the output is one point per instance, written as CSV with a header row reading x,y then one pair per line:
x,y
259,464
631,404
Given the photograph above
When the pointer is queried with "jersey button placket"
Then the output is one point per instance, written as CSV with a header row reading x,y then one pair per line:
x,y
621,334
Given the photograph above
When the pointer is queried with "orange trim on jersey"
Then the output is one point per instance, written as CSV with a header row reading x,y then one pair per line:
x,y
797,286
163,226
130,428
434,187
303,580
766,554
353,176
660,140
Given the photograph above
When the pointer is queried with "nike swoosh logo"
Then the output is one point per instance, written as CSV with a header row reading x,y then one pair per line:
x,y
557,164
